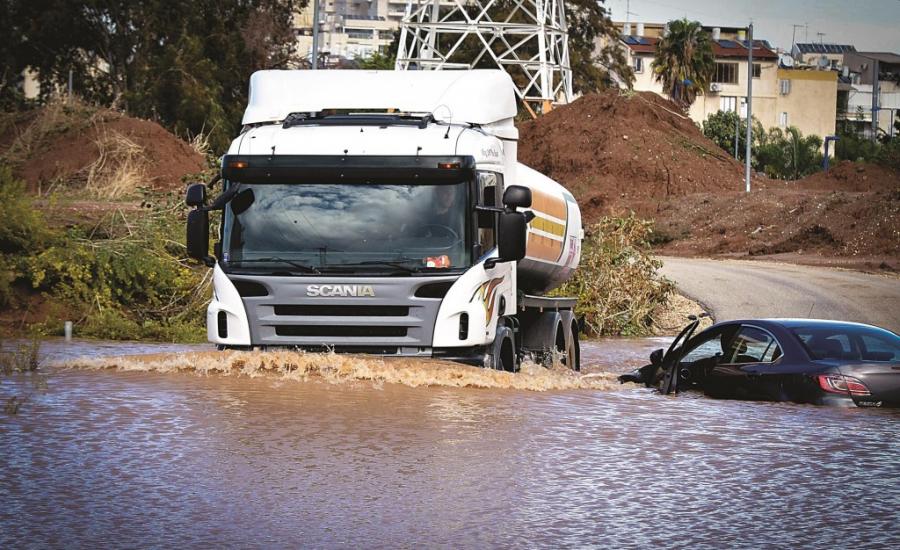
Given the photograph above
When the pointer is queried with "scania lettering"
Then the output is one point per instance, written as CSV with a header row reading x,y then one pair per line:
x,y
340,290
385,212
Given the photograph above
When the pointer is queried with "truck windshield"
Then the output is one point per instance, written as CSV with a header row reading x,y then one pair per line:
x,y
333,227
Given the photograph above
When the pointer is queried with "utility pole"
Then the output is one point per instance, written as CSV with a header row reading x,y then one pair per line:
x,y
749,103
737,131
315,44
876,91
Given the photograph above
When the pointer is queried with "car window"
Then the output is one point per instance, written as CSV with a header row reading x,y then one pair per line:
x,y
878,349
705,349
753,345
849,342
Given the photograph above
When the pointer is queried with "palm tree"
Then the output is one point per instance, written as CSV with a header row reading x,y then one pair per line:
x,y
684,61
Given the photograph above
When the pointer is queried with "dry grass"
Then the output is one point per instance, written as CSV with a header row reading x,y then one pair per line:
x,y
120,168
200,144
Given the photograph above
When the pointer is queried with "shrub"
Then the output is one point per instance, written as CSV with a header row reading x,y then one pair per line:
x,y
789,154
720,128
617,284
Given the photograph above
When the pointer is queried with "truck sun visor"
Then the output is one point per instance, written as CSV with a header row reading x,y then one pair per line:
x,y
347,169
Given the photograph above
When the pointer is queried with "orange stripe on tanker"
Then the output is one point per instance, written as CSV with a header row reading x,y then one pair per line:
x,y
546,203
543,248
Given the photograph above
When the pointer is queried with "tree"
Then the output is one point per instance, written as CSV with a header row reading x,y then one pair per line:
x,y
377,61
788,154
720,128
185,63
593,67
684,61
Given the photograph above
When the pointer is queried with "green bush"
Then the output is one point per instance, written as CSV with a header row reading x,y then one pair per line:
x,y
853,147
617,284
124,277
720,128
788,154
22,228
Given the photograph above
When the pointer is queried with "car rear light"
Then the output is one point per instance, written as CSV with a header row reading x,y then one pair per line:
x,y
839,383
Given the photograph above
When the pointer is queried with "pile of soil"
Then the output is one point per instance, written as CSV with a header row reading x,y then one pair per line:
x,y
620,153
634,150
66,152
850,176
790,224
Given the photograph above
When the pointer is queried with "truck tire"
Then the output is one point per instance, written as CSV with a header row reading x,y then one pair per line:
x,y
573,348
503,355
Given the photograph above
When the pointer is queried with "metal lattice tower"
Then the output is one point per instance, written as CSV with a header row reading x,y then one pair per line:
x,y
527,38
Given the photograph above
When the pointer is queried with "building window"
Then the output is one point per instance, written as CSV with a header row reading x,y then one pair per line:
x,y
785,86
728,103
726,73
783,120
638,64
757,70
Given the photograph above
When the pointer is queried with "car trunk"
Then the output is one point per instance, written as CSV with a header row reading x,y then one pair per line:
x,y
882,379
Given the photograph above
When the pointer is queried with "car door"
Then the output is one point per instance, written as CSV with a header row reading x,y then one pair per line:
x,y
748,369
702,353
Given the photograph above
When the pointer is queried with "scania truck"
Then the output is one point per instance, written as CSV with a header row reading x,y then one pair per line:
x,y
385,212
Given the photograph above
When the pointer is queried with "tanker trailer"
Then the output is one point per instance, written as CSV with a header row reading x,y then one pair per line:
x,y
385,212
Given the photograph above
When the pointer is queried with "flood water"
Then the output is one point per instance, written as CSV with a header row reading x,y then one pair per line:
x,y
199,449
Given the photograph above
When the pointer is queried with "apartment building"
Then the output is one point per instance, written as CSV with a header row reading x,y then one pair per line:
x,y
782,97
824,56
349,28
869,72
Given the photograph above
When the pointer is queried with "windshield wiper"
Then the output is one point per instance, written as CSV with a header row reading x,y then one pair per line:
x,y
390,263
272,259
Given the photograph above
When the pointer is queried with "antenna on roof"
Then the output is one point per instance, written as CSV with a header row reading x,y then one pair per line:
x,y
794,35
821,36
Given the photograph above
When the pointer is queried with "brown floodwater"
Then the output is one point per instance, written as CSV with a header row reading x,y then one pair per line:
x,y
187,447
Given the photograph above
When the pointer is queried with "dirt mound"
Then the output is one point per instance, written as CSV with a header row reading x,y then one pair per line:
x,y
74,144
783,221
611,149
852,176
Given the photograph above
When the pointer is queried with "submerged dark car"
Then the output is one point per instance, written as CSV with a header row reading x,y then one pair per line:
x,y
801,360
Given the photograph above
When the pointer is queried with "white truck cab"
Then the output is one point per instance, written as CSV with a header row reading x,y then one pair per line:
x,y
384,212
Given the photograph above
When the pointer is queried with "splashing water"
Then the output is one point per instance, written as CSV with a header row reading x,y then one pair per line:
x,y
335,368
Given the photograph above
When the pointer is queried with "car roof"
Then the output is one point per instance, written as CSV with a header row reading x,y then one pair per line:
x,y
796,323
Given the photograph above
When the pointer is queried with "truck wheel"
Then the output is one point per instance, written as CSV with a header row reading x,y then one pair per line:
x,y
573,349
504,350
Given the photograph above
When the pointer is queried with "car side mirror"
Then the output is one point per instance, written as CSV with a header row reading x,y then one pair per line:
x,y
517,196
511,240
197,238
195,195
656,358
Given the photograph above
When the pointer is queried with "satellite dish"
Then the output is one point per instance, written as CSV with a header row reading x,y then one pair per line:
x,y
823,62
786,61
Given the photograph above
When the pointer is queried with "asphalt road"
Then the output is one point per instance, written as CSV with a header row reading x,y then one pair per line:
x,y
735,289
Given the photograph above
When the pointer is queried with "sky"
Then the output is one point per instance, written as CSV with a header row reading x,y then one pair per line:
x,y
870,25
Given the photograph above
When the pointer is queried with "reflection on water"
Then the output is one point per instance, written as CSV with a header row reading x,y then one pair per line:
x,y
175,458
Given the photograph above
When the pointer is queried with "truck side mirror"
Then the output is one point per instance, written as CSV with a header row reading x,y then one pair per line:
x,y
511,236
656,358
198,234
517,196
196,195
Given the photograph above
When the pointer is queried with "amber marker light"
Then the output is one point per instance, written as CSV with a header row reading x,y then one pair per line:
x,y
448,165
238,164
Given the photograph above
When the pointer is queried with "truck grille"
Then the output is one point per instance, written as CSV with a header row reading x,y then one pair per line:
x,y
331,331
341,311
400,316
